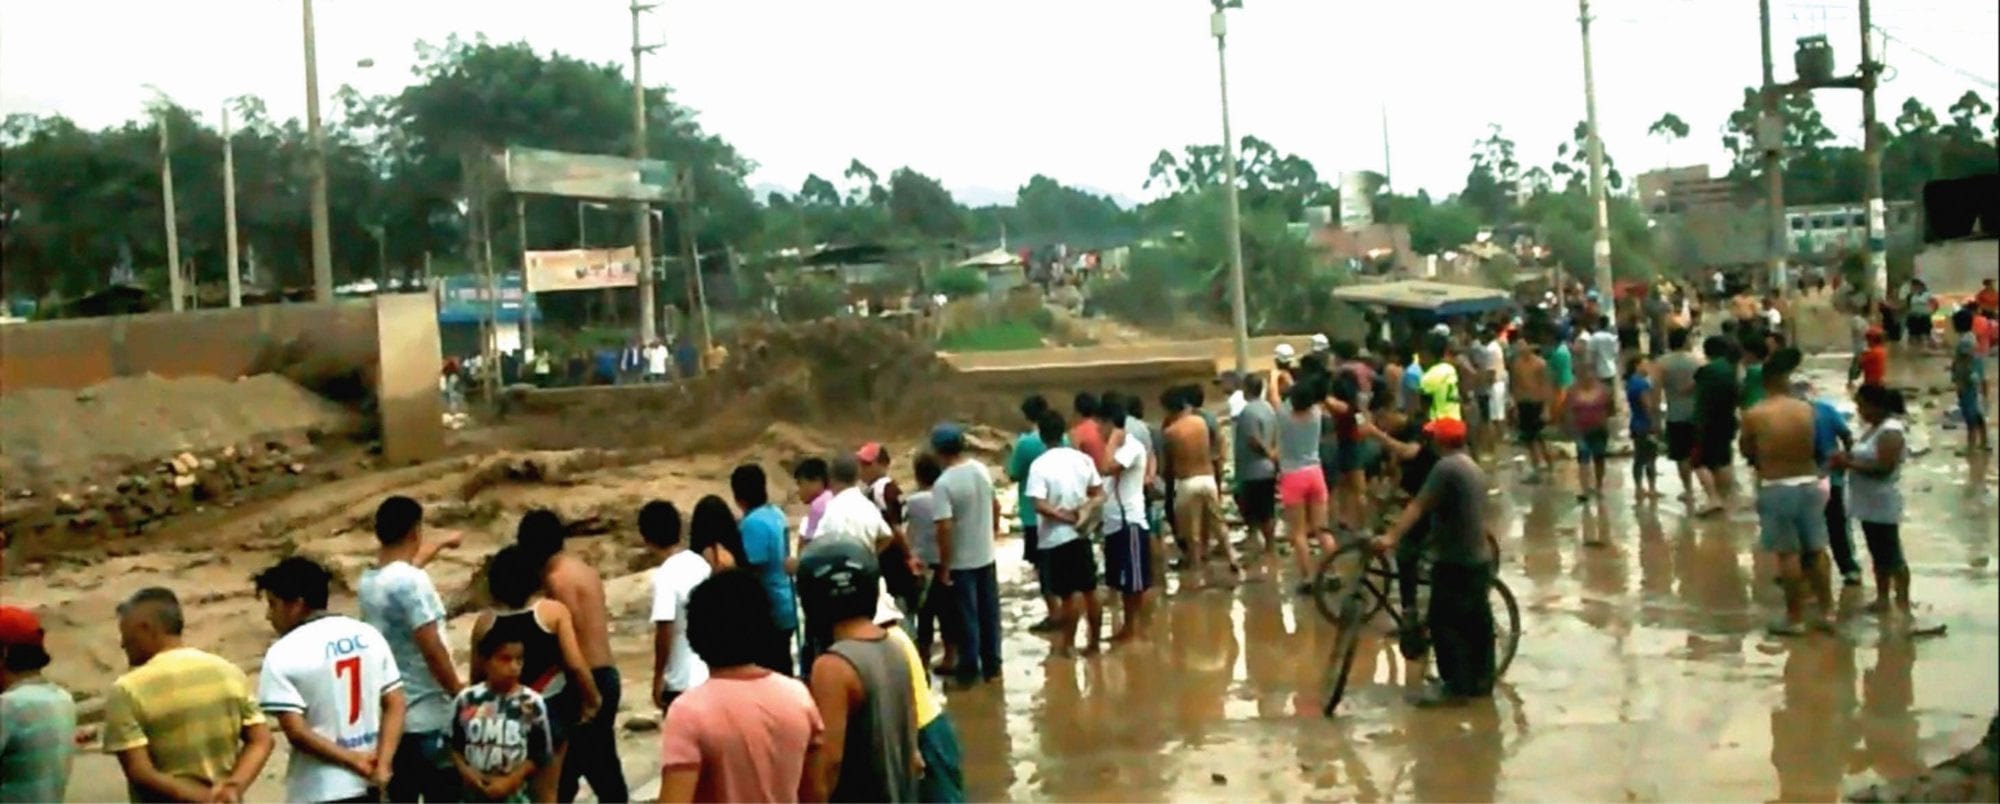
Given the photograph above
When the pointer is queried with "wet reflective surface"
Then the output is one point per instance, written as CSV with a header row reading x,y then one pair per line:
x,y
1644,673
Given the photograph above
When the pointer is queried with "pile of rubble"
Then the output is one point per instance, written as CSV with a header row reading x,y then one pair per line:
x,y
144,494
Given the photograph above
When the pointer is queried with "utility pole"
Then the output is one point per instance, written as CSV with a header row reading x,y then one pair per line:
x,y
1238,312
1387,182
699,286
1771,140
322,245
641,220
229,213
176,286
1871,160
1600,251
527,299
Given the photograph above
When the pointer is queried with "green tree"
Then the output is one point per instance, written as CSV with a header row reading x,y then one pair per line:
x,y
1494,180
921,206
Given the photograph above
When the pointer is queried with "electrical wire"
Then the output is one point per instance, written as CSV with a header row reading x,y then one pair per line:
x,y
1982,80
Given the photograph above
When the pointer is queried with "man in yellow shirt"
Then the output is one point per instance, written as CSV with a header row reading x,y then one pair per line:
x,y
183,723
1440,381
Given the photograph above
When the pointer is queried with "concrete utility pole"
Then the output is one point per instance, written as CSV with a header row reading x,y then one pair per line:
x,y
322,244
521,233
1238,312
1600,252
176,284
1871,160
229,214
1771,140
641,221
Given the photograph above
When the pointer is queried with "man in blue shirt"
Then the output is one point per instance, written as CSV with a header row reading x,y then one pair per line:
x,y
767,549
1830,434
1027,448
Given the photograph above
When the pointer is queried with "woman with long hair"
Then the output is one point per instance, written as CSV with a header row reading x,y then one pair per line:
x,y
1874,467
714,534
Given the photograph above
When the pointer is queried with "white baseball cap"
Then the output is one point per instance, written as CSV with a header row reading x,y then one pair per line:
x,y
1284,351
1320,342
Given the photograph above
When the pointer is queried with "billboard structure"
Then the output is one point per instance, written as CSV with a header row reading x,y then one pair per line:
x,y
533,171
582,269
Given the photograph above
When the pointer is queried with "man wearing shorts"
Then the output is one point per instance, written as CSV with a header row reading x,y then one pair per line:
x,y
1197,497
1128,547
1256,460
1791,495
1715,398
1059,485
1532,391
1677,370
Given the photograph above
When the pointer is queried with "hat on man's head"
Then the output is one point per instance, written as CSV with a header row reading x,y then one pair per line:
x,y
19,626
948,438
1321,343
871,452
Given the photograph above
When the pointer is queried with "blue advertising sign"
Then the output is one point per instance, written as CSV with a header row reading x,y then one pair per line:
x,y
462,299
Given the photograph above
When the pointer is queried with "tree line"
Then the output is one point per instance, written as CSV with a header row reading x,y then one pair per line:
x,y
77,205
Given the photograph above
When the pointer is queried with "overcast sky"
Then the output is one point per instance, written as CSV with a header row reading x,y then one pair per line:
x,y
985,93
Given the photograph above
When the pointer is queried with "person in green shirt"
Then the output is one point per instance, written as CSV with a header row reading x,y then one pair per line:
x,y
1755,349
1026,449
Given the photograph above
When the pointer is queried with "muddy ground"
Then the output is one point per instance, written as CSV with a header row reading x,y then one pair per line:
x,y
1643,674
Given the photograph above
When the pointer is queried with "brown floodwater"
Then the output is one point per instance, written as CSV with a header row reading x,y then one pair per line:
x,y
1644,672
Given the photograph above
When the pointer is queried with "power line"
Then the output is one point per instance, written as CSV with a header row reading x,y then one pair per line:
x,y
1984,81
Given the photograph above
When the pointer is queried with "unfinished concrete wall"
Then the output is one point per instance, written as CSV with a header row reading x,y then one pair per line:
x,y
226,343
230,343
406,387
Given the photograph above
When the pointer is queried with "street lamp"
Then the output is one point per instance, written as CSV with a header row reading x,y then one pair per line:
x,y
1239,315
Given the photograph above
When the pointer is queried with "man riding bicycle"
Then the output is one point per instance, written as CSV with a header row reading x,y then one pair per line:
x,y
1451,502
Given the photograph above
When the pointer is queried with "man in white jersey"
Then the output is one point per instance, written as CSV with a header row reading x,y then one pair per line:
x,y
331,683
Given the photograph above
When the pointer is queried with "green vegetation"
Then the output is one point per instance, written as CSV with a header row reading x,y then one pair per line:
x,y
995,337
78,201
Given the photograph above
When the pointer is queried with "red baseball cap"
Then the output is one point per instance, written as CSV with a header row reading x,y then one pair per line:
x,y
1446,431
19,626
871,452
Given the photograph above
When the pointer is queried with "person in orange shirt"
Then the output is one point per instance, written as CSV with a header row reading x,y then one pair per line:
x,y
1988,298
1875,360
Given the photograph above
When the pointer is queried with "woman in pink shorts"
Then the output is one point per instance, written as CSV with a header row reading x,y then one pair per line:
x,y
1301,484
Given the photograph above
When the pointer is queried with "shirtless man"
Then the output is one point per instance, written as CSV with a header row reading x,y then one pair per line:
x,y
1529,384
593,747
1197,496
1791,495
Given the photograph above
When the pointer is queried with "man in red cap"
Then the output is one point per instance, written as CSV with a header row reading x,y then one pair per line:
x,y
37,718
900,571
1453,498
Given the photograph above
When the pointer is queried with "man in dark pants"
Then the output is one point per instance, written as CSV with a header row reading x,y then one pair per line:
x,y
965,510
1460,618
593,745
1403,437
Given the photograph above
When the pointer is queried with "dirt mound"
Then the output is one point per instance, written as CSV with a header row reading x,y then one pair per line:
x,y
836,370
51,436
834,376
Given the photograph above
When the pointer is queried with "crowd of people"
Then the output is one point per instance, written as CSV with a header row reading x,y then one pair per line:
x,y
796,663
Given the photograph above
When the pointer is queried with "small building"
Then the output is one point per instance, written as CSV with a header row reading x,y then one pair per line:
x,y
463,311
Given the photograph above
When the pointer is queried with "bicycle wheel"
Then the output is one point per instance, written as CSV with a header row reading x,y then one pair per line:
x,y
1506,626
1349,607
1355,566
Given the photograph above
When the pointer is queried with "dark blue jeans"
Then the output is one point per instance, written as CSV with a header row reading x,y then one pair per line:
x,y
978,592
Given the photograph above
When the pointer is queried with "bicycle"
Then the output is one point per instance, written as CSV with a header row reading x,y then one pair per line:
x,y
1356,582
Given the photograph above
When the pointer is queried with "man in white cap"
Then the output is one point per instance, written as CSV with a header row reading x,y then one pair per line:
x,y
1321,344
1281,377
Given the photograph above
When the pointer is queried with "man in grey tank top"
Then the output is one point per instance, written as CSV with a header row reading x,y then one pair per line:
x,y
862,683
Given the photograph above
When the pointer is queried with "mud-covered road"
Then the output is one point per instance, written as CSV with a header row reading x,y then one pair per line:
x,y
1644,672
